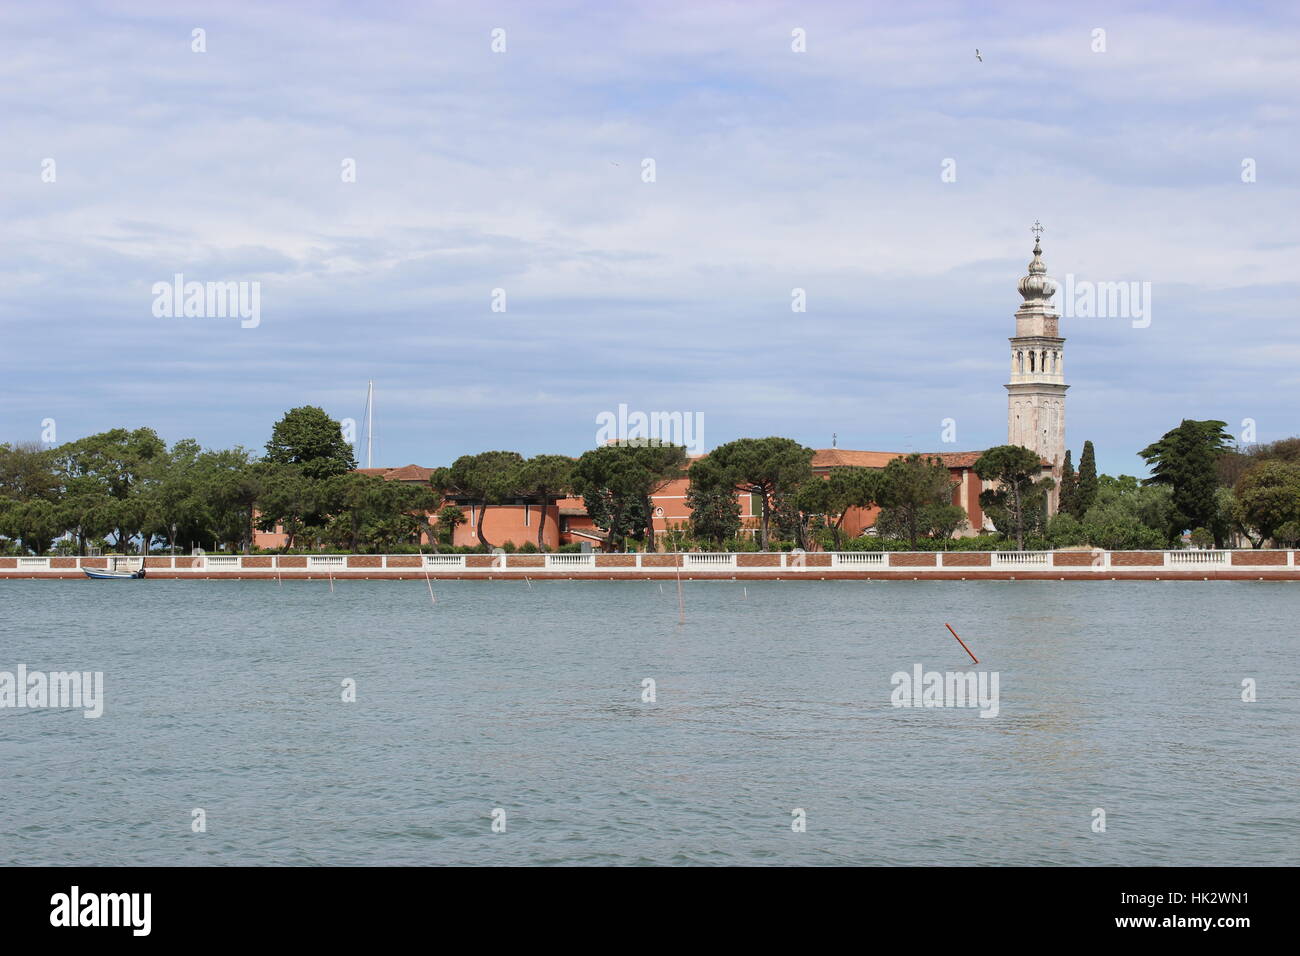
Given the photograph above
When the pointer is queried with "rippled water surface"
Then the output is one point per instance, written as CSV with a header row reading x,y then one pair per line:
x,y
772,696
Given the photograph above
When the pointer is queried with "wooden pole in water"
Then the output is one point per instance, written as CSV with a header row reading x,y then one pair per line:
x,y
432,600
961,642
681,608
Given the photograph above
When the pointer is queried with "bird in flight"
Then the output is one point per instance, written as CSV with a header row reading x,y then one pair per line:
x,y
977,55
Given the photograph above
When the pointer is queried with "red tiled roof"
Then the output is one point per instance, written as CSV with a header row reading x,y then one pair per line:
x,y
409,473
405,473
845,457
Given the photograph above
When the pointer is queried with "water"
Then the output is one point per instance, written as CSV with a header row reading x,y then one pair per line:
x,y
226,696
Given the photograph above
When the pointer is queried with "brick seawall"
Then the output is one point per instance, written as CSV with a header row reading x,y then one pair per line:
x,y
842,566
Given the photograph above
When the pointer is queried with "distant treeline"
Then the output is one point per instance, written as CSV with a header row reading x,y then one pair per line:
x,y
126,490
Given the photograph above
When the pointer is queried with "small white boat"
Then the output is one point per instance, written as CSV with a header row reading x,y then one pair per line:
x,y
113,574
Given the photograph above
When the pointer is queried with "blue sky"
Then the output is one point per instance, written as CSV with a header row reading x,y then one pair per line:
x,y
774,169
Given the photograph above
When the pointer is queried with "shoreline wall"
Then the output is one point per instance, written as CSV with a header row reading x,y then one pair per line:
x,y
845,565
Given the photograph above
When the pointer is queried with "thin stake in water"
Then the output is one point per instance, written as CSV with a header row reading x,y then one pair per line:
x,y
681,608
961,642
432,600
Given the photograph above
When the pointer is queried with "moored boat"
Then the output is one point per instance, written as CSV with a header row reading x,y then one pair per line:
x,y
112,574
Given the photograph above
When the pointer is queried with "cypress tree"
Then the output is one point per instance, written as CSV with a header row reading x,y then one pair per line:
x,y
1085,492
1069,485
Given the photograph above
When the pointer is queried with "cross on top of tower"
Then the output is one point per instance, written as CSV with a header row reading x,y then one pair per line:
x,y
1037,230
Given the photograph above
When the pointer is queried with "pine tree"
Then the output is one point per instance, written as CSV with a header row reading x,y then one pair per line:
x,y
1186,460
1085,492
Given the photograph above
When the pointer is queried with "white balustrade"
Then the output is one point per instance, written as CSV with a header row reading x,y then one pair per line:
x,y
570,561
712,561
444,561
1197,558
325,560
857,559
1022,559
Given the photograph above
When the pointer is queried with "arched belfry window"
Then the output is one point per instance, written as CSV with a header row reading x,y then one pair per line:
x,y
1031,362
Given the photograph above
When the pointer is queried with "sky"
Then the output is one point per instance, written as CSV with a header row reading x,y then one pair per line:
x,y
882,169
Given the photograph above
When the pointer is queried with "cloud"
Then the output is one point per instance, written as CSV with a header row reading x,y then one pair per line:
x,y
774,170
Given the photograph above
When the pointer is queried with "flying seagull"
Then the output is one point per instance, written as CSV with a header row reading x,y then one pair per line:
x,y
977,55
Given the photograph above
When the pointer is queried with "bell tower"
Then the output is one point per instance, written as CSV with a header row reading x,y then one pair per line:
x,y
1036,392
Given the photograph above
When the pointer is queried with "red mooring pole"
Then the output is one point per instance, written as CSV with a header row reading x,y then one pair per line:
x,y
961,642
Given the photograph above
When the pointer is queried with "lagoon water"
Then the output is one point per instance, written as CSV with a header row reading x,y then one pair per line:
x,y
773,696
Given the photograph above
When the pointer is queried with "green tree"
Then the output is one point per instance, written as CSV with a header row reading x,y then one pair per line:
x,y
1020,493
416,504
915,495
1130,516
1067,502
715,510
297,504
848,488
486,479
825,501
1064,530
309,439
1084,492
230,481
1185,460
1267,498
450,517
617,483
766,468
175,510
27,473
30,493
362,501
548,478
35,523
105,478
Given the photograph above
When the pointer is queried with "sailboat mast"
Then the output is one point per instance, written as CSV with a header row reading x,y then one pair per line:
x,y
370,423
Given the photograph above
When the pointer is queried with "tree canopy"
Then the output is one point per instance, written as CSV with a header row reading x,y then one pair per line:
x,y
764,468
